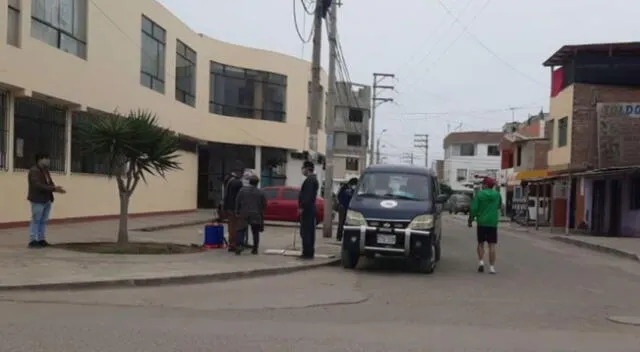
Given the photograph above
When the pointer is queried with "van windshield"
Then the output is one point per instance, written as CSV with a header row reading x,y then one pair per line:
x,y
394,186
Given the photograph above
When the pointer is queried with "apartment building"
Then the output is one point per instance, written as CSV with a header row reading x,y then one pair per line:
x,y
593,130
65,61
470,155
351,130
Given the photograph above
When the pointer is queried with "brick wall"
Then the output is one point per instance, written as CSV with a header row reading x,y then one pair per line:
x,y
620,145
540,157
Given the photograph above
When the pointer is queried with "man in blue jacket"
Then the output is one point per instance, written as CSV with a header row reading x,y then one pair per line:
x,y
344,198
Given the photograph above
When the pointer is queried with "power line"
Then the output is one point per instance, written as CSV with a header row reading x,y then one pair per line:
x,y
451,44
297,26
484,46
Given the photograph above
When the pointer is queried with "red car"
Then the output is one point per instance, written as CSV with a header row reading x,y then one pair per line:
x,y
282,204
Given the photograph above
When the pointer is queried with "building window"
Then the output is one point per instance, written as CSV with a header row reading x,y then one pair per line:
x,y
563,131
4,133
354,140
634,201
352,164
356,115
39,127
461,175
493,150
13,23
62,24
273,167
186,60
154,39
241,92
518,156
81,160
467,149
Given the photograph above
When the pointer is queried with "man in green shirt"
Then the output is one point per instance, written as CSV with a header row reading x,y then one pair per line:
x,y
485,210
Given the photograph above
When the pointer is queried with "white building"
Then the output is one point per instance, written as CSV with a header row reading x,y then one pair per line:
x,y
469,155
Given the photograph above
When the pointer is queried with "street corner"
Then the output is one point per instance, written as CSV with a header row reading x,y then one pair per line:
x,y
612,248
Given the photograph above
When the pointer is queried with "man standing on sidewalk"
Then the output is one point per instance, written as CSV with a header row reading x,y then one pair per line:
x,y
40,194
307,210
485,209
250,206
231,190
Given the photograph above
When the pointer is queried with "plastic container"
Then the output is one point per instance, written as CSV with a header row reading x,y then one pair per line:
x,y
213,235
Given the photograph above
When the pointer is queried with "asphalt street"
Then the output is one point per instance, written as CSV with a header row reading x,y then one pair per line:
x,y
547,296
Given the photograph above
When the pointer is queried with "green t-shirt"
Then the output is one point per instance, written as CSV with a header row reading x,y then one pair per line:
x,y
485,208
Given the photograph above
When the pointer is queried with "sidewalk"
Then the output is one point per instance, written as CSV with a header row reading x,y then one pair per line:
x,y
51,268
624,247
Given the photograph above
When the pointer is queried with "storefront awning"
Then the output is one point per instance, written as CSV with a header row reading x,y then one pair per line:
x,y
531,174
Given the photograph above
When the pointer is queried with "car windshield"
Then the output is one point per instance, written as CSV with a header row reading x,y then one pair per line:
x,y
394,186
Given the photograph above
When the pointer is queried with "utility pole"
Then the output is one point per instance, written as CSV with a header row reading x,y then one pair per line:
x,y
375,102
422,141
408,157
327,224
316,87
378,151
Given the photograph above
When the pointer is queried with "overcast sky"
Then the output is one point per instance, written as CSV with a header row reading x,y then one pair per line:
x,y
461,78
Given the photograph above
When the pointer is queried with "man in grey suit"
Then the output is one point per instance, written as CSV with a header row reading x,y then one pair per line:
x,y
250,206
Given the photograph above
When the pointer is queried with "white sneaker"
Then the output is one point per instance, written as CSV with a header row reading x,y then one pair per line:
x,y
492,270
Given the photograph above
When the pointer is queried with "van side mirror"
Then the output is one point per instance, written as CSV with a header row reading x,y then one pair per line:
x,y
441,198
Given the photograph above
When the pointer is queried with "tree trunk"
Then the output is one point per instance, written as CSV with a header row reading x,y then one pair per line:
x,y
123,227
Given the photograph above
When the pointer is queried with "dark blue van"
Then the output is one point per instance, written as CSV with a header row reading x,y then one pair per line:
x,y
395,211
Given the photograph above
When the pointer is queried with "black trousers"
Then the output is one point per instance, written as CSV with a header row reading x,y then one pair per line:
x,y
342,217
308,232
242,239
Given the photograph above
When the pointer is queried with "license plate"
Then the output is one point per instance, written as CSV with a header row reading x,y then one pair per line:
x,y
386,239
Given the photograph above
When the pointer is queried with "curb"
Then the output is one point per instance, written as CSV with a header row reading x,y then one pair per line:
x,y
597,247
170,226
168,280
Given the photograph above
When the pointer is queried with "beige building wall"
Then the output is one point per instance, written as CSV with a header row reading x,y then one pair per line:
x,y
109,79
559,107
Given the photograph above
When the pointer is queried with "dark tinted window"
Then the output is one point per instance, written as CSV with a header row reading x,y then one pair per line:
x,y
270,193
290,194
395,185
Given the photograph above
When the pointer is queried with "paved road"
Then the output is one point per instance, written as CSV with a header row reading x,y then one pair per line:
x,y
547,296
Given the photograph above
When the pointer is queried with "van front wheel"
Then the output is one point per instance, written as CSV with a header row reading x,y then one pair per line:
x,y
349,259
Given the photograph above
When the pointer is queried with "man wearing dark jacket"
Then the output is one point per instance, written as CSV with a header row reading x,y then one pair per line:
x,y
307,210
231,190
344,198
40,195
250,206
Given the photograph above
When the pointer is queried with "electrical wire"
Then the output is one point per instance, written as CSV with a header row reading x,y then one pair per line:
x,y
466,30
420,77
297,25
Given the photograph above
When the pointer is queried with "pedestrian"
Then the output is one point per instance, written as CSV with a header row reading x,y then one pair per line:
x,y
307,210
231,189
40,194
250,206
344,198
485,210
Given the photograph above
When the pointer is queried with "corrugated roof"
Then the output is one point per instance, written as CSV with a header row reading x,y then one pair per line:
x,y
569,51
476,137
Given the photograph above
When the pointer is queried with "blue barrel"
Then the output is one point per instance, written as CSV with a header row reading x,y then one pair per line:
x,y
214,235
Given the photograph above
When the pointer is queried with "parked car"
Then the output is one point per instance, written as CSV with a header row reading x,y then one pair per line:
x,y
459,203
282,204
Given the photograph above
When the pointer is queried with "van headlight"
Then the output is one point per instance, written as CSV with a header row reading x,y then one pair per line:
x,y
422,222
355,218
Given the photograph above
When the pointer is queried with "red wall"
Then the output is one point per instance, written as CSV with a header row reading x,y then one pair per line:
x,y
557,81
506,161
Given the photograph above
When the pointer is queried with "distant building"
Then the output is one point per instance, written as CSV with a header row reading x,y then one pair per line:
x,y
470,155
438,167
351,130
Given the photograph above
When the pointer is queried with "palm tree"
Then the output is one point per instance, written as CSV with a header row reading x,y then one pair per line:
x,y
132,147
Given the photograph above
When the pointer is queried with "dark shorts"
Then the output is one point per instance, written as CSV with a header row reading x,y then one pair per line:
x,y
487,234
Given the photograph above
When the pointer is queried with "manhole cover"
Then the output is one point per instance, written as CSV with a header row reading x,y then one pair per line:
x,y
625,320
